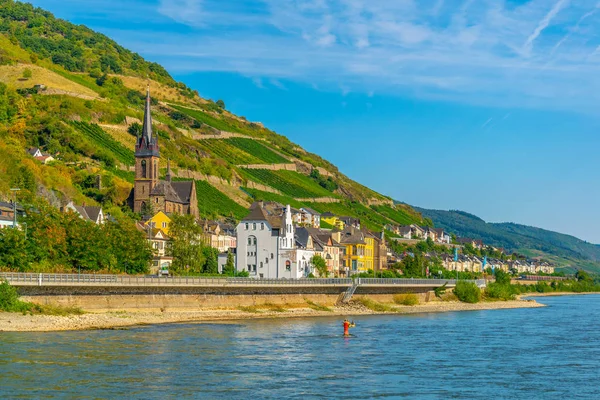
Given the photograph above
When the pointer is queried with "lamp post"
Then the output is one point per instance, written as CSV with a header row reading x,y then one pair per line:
x,y
14,190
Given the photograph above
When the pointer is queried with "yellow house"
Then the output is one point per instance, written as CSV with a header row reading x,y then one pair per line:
x,y
160,220
333,220
369,258
354,241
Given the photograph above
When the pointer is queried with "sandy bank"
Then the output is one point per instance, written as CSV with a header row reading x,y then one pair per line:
x,y
119,319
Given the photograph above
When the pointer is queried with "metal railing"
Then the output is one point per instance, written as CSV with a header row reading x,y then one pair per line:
x,y
132,280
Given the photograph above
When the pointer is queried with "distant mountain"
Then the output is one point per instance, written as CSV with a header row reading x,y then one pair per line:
x,y
567,250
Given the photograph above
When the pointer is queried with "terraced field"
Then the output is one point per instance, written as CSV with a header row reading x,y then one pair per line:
x,y
368,217
289,183
225,150
258,195
258,150
397,215
106,141
213,203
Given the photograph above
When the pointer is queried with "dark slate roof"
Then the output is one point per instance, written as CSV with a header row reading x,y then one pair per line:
x,y
81,210
351,235
92,212
164,188
183,190
301,237
147,144
256,213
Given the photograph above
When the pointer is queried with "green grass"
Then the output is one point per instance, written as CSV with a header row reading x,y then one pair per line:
x,y
223,122
408,299
103,139
10,302
317,306
273,307
289,183
374,305
83,80
212,202
128,176
258,150
249,309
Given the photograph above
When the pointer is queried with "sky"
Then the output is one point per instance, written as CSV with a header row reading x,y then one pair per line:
x,y
486,106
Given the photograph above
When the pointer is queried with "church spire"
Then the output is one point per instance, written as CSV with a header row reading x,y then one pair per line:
x,y
168,175
147,143
147,129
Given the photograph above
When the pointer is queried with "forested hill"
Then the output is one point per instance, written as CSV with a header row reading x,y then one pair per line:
x,y
78,96
514,237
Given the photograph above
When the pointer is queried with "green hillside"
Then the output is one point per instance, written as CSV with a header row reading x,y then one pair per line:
x,y
566,250
85,118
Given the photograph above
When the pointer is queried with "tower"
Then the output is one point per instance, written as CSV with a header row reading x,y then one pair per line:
x,y
146,161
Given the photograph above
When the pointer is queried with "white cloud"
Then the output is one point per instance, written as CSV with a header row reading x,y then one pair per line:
x,y
538,53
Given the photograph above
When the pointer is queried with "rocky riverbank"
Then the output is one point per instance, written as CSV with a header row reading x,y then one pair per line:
x,y
121,319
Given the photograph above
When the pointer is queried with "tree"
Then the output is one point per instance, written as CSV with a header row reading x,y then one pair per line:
x,y
135,129
583,276
27,74
502,277
320,265
211,266
186,244
221,104
229,268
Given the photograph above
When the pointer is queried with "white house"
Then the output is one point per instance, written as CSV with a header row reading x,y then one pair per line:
x,y
90,213
266,245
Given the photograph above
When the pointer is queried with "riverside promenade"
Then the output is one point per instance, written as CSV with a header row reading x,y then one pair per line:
x,y
93,280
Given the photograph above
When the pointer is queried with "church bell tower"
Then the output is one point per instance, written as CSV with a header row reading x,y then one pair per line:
x,y
146,161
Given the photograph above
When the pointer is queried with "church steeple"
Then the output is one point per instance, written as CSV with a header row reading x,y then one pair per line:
x,y
147,143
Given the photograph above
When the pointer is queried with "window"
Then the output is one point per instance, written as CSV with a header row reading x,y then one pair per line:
x,y
144,171
254,226
261,264
266,260
262,226
164,224
246,226
250,240
249,267
254,267
255,241
271,256
156,200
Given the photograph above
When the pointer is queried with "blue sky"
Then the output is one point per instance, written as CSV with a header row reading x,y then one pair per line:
x,y
487,106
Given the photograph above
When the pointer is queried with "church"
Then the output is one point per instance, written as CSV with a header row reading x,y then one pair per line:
x,y
151,193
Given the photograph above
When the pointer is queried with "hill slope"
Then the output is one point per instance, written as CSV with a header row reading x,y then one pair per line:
x,y
565,249
86,117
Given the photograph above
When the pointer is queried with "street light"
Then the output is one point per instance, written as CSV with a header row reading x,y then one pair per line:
x,y
14,190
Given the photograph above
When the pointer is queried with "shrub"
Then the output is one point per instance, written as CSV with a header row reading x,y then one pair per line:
x,y
374,306
27,74
467,292
495,290
406,299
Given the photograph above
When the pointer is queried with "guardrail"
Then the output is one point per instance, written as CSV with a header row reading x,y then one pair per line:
x,y
132,280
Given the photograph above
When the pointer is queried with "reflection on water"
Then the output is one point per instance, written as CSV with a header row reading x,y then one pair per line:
x,y
552,352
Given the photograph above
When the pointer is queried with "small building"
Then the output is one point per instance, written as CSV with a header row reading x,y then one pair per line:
x,y
89,213
160,220
42,157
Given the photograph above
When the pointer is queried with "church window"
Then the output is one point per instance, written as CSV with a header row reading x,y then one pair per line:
x,y
156,169
144,169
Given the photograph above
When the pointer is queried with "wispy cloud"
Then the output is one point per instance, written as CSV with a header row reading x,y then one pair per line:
x,y
540,53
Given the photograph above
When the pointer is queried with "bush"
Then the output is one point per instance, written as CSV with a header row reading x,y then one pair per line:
x,y
467,292
374,306
406,299
495,290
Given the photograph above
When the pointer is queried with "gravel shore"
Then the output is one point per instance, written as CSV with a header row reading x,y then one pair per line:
x,y
12,322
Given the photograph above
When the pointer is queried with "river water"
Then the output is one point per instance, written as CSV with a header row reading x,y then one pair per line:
x,y
551,352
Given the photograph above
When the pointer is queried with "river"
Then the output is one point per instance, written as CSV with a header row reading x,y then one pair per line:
x,y
550,352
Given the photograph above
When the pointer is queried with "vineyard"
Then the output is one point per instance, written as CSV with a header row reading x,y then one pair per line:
x,y
399,216
232,154
258,150
105,141
368,217
290,183
213,203
224,123
259,195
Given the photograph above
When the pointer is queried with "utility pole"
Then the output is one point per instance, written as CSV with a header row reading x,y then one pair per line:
x,y
14,190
